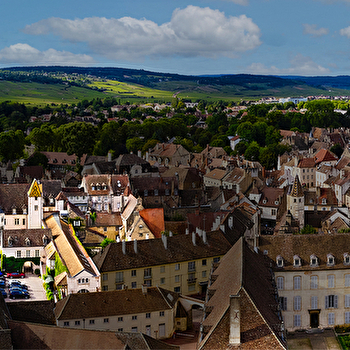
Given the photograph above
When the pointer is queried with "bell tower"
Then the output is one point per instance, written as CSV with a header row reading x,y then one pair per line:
x,y
296,201
35,205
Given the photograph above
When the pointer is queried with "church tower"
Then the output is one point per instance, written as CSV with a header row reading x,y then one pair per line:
x,y
296,201
35,205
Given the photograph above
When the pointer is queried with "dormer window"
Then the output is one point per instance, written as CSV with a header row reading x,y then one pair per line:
x,y
330,260
27,242
93,187
14,211
296,261
324,201
313,260
51,201
346,259
24,211
98,187
279,261
104,186
10,241
276,202
45,240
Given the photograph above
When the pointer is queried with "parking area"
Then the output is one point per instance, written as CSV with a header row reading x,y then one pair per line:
x,y
35,288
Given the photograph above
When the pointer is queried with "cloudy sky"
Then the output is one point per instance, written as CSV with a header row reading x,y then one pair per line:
x,y
280,37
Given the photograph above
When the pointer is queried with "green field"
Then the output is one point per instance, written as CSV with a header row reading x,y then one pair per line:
x,y
43,94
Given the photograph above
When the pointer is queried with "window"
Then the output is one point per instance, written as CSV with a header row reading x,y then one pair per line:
x,y
216,260
279,261
313,282
280,283
134,317
273,212
105,277
283,303
347,317
105,288
177,278
35,207
119,277
133,285
27,253
106,320
346,259
120,329
23,222
18,253
120,319
162,269
330,260
162,280
148,315
331,301
147,273
191,266
297,303
296,261
330,281
313,260
314,302
161,313
192,287
134,329
77,323
156,192
133,273
347,280
147,283
91,321
331,318
177,289
177,267
204,274
191,278
296,282
347,300
204,262
297,320
66,323
16,221
37,253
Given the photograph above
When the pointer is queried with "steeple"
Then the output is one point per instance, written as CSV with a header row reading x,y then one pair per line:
x,y
297,190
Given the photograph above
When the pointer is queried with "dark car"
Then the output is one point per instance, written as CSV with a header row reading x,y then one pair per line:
x,y
17,293
2,284
15,275
18,284
3,292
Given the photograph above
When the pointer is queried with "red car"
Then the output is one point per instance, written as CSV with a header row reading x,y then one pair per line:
x,y
15,275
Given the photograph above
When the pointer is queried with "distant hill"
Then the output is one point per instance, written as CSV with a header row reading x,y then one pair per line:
x,y
339,82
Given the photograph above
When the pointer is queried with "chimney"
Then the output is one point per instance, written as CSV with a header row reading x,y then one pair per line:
x,y
109,156
205,237
139,153
124,247
235,323
170,233
144,289
194,238
165,242
147,156
135,246
187,231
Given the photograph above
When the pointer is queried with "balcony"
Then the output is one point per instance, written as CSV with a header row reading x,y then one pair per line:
x,y
191,280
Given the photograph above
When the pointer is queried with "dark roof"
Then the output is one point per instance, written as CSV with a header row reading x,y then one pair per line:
x,y
129,160
19,237
33,311
13,196
152,252
306,245
51,188
114,303
297,191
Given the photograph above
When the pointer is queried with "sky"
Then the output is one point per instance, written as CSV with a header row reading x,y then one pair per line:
x,y
197,37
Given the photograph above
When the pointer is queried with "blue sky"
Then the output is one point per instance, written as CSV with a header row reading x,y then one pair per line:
x,y
280,37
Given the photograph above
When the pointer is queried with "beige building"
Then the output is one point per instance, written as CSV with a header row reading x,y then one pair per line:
x,y
312,274
151,311
180,263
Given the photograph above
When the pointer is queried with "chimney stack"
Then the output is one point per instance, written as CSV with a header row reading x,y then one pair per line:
x,y
124,247
135,246
165,242
235,320
144,289
205,237
194,238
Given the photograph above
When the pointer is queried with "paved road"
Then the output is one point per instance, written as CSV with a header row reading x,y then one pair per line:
x,y
35,288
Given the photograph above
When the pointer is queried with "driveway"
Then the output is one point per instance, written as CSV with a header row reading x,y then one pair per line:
x,y
35,288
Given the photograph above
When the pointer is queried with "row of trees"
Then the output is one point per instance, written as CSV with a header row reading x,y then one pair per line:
x,y
258,129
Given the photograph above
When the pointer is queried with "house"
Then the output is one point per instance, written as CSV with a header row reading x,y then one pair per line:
x,y
241,308
168,154
106,193
323,156
132,165
237,179
180,263
150,310
312,274
81,274
214,177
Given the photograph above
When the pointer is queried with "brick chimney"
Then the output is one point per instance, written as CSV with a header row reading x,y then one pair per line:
x,y
235,320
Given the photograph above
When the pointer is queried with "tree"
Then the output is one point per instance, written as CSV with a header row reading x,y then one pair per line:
x,y
134,144
11,145
307,230
105,242
337,150
252,152
38,159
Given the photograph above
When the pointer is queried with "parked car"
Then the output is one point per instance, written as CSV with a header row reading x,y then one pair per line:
x,y
16,293
18,284
15,275
2,284
3,292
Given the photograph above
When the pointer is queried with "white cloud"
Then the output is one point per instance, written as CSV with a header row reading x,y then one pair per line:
x,y
311,29
26,54
299,65
345,32
192,32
